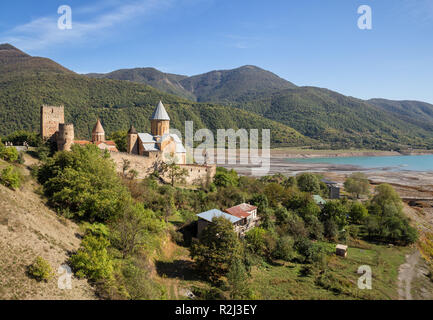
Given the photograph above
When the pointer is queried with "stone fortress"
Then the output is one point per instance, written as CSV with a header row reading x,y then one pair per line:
x,y
145,151
54,128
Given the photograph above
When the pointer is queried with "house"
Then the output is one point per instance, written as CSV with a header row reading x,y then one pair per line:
x,y
205,218
248,214
334,190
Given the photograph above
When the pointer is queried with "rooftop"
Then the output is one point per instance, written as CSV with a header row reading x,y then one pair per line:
x,y
241,211
318,199
98,127
215,213
160,113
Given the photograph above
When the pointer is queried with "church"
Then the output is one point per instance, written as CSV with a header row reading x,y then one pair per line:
x,y
145,151
160,143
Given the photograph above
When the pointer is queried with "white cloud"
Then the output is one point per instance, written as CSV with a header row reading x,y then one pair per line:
x,y
43,32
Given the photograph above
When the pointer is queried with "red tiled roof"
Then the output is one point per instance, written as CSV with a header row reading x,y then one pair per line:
x,y
107,142
82,142
241,210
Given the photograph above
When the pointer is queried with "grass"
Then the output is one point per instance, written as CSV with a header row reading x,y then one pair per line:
x,y
285,282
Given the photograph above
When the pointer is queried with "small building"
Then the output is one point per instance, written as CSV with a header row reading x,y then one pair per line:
x,y
341,250
248,215
205,218
334,189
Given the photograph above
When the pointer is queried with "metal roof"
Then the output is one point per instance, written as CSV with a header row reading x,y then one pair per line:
x,y
146,138
215,213
242,210
318,199
160,113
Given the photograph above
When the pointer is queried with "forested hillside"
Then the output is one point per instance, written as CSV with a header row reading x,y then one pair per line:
x,y
335,120
118,103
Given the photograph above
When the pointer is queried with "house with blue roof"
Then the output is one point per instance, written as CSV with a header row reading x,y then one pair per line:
x,y
205,218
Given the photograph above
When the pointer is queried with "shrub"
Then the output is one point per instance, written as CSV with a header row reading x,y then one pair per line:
x,y
309,251
40,270
92,259
11,178
284,249
8,154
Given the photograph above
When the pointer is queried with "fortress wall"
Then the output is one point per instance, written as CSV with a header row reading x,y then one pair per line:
x,y
197,174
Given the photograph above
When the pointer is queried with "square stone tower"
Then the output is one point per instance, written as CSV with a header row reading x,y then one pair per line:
x,y
51,117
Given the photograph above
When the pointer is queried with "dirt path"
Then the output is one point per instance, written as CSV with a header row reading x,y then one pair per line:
x,y
407,273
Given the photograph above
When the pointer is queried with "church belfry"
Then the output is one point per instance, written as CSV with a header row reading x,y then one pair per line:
x,y
160,121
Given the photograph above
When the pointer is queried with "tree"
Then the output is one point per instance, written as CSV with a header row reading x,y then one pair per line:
x,y
357,184
335,211
83,182
174,172
260,201
130,228
385,197
238,281
256,241
308,182
225,178
126,164
120,138
216,249
358,213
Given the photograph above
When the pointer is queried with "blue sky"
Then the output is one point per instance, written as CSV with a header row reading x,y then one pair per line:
x,y
308,42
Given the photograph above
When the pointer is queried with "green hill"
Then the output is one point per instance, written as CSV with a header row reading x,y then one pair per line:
x,y
226,86
31,82
166,82
340,120
414,112
334,119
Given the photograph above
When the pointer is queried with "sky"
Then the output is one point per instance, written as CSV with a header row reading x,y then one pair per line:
x,y
308,42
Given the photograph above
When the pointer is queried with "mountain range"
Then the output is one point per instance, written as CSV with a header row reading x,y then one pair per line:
x,y
246,97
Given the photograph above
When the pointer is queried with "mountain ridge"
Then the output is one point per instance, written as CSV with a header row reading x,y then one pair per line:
x,y
32,82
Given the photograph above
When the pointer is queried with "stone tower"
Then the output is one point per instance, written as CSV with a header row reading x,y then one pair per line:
x,y
160,121
132,146
51,117
65,138
98,133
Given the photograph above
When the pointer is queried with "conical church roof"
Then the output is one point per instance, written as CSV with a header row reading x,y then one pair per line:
x,y
160,113
132,130
98,127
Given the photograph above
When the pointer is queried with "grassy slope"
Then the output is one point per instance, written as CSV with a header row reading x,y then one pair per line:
x,y
29,229
284,282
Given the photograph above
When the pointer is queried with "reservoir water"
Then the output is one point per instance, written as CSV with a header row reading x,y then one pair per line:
x,y
397,163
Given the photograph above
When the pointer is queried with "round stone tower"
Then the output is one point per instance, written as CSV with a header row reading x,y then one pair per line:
x,y
65,137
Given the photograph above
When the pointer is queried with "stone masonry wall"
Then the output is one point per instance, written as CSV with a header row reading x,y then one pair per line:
x,y
197,174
